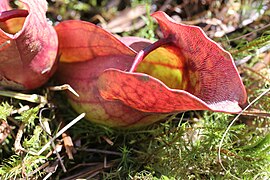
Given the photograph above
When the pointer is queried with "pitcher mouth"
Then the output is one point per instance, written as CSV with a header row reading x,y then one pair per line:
x,y
12,21
165,61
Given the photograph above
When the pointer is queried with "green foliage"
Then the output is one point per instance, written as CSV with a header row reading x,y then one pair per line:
x,y
190,150
36,140
183,148
24,164
5,110
259,147
13,167
28,117
70,8
148,31
149,176
245,48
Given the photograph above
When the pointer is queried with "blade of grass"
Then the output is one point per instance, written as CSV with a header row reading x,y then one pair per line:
x,y
230,125
34,98
74,121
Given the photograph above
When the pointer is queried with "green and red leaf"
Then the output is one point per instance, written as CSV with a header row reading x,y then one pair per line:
x,y
183,71
86,51
186,71
82,41
28,45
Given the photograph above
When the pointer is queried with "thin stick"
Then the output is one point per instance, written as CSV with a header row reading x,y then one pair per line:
x,y
38,169
20,110
255,72
34,98
44,122
82,165
74,121
100,151
64,87
250,33
107,140
17,144
59,157
230,125
257,114
47,176
247,58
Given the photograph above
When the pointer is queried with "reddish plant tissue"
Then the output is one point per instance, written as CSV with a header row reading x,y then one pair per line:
x,y
28,45
119,87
